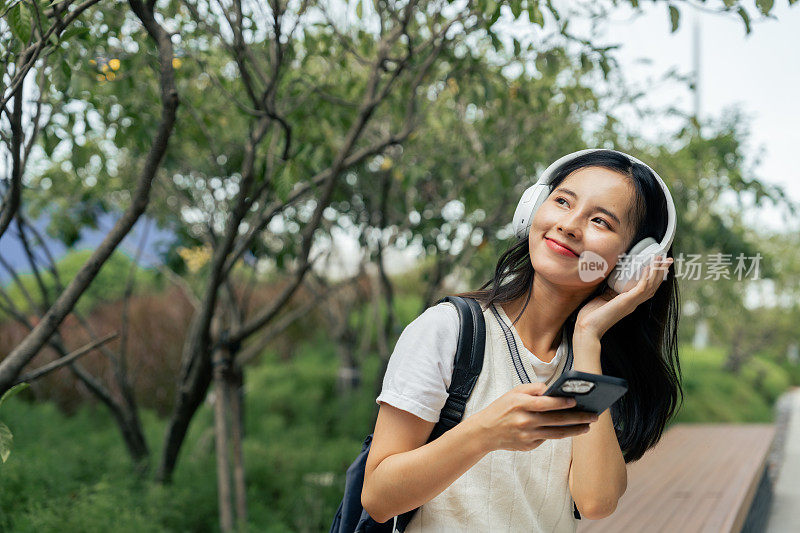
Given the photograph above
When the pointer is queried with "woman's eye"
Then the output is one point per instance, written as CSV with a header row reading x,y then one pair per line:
x,y
560,198
604,222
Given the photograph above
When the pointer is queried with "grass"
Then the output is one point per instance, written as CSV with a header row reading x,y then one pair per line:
x,y
715,395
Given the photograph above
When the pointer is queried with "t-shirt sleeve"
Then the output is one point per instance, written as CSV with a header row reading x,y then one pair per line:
x,y
421,366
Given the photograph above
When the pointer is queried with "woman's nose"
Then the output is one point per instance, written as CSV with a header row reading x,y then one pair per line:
x,y
569,225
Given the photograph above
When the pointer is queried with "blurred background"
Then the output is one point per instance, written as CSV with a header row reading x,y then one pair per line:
x,y
218,217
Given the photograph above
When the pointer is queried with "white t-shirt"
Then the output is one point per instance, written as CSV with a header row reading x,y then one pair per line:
x,y
421,366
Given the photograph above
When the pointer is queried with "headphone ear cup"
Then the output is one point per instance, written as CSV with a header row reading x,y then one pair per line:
x,y
526,208
640,247
626,271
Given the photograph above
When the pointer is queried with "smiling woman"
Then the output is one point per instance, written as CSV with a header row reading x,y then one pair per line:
x,y
600,202
518,460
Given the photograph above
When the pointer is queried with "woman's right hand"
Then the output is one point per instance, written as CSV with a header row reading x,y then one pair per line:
x,y
522,418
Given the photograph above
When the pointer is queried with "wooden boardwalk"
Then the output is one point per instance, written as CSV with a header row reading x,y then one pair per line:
x,y
698,478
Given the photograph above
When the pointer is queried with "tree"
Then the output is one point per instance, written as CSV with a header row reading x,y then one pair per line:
x,y
289,111
30,30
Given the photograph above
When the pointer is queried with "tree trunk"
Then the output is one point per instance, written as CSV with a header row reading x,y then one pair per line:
x,y
737,357
221,411
192,389
237,436
124,412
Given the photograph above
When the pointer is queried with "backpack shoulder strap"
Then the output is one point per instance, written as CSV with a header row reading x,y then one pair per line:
x,y
466,369
468,362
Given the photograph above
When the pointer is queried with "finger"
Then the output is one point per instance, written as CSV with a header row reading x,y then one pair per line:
x,y
652,276
536,388
659,273
548,403
641,281
661,266
563,432
566,418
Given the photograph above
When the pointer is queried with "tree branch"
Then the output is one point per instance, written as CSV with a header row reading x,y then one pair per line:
x,y
12,200
63,361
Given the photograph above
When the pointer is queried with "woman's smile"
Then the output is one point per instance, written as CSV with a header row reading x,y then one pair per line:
x,y
559,249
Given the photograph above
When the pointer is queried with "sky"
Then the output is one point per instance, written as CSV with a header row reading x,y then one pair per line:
x,y
759,73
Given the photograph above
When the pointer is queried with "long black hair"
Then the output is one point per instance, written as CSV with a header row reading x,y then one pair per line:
x,y
642,347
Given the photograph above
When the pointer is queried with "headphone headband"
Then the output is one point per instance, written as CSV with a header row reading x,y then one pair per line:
x,y
547,177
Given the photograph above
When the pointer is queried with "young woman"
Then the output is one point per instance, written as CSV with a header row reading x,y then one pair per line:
x,y
518,461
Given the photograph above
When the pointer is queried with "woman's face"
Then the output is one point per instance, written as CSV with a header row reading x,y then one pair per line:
x,y
589,211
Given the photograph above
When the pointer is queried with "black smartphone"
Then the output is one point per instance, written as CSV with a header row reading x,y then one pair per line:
x,y
592,392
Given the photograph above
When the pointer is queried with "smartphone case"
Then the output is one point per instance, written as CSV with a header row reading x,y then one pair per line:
x,y
606,391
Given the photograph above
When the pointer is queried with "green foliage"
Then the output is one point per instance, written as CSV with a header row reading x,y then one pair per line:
x,y
674,16
715,395
108,286
301,435
480,133
6,436
72,474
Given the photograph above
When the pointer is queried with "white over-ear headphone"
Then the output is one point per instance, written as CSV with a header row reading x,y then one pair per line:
x,y
627,270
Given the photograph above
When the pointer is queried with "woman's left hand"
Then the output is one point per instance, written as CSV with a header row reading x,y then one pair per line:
x,y
602,312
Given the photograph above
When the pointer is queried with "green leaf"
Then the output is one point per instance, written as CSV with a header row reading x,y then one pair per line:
x,y
359,9
535,14
20,22
765,5
5,442
605,67
517,48
49,142
674,17
80,156
12,391
746,18
495,15
284,182
586,63
516,8
66,71
553,10
72,32
496,43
